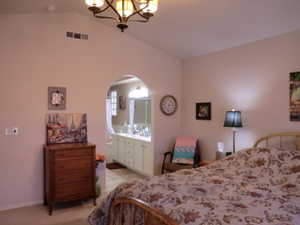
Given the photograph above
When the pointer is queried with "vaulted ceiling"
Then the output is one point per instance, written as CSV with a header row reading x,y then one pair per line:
x,y
187,28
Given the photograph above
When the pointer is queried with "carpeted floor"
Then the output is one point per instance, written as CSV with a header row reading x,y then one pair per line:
x,y
64,214
38,215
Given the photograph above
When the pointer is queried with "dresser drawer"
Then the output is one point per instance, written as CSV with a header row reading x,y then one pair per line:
x,y
74,197
73,153
72,164
73,176
74,191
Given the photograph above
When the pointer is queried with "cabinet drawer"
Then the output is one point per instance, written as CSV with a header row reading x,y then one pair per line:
x,y
74,164
73,176
130,152
142,145
73,153
74,191
130,162
129,144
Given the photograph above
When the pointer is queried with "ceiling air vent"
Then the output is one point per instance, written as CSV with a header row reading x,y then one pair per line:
x,y
78,36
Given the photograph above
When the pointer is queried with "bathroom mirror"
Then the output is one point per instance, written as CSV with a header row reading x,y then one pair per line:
x,y
142,111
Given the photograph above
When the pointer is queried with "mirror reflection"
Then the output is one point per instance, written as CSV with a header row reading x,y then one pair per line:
x,y
129,107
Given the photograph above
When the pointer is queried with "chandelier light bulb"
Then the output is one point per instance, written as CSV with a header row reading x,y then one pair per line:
x,y
124,7
151,8
95,3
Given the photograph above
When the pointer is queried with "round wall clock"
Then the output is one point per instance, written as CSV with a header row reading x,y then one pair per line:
x,y
168,105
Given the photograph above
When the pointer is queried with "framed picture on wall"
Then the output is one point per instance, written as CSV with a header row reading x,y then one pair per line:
x,y
57,98
203,111
66,128
122,102
295,96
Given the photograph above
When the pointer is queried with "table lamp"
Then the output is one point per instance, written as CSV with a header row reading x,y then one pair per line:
x,y
233,119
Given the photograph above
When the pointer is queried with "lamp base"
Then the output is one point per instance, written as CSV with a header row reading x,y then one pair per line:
x,y
234,130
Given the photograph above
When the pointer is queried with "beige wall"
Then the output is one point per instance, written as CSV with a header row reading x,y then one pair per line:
x,y
253,78
34,55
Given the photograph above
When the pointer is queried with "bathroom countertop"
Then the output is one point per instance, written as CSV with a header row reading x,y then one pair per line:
x,y
136,137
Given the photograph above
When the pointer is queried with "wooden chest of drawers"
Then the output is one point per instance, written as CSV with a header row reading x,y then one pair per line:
x,y
69,173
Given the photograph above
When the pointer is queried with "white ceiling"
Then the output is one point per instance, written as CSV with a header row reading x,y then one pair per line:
x,y
186,28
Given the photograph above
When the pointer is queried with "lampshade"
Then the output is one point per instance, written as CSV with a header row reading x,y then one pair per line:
x,y
124,7
94,3
152,6
233,119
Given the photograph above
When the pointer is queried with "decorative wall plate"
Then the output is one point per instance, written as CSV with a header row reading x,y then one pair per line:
x,y
168,105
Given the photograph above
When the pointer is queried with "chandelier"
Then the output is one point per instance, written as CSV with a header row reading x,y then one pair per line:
x,y
125,10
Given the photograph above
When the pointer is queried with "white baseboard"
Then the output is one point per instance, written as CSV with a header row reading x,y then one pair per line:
x,y
19,205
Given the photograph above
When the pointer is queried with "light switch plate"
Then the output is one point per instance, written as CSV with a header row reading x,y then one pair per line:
x,y
15,131
7,131
11,131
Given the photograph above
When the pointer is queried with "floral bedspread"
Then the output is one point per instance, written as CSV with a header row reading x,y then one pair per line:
x,y
254,186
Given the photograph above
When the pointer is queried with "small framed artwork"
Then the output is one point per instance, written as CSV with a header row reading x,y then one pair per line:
x,y
203,111
295,96
57,97
122,102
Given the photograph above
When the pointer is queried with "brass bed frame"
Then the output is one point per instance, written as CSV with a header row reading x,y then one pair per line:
x,y
153,216
281,136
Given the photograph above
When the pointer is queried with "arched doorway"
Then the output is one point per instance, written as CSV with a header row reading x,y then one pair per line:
x,y
129,125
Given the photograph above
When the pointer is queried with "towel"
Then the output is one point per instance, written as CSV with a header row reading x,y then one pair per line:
x,y
184,150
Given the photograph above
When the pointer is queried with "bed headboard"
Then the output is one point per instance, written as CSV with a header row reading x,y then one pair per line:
x,y
293,138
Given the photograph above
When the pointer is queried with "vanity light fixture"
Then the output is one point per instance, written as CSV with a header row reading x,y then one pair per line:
x,y
125,10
